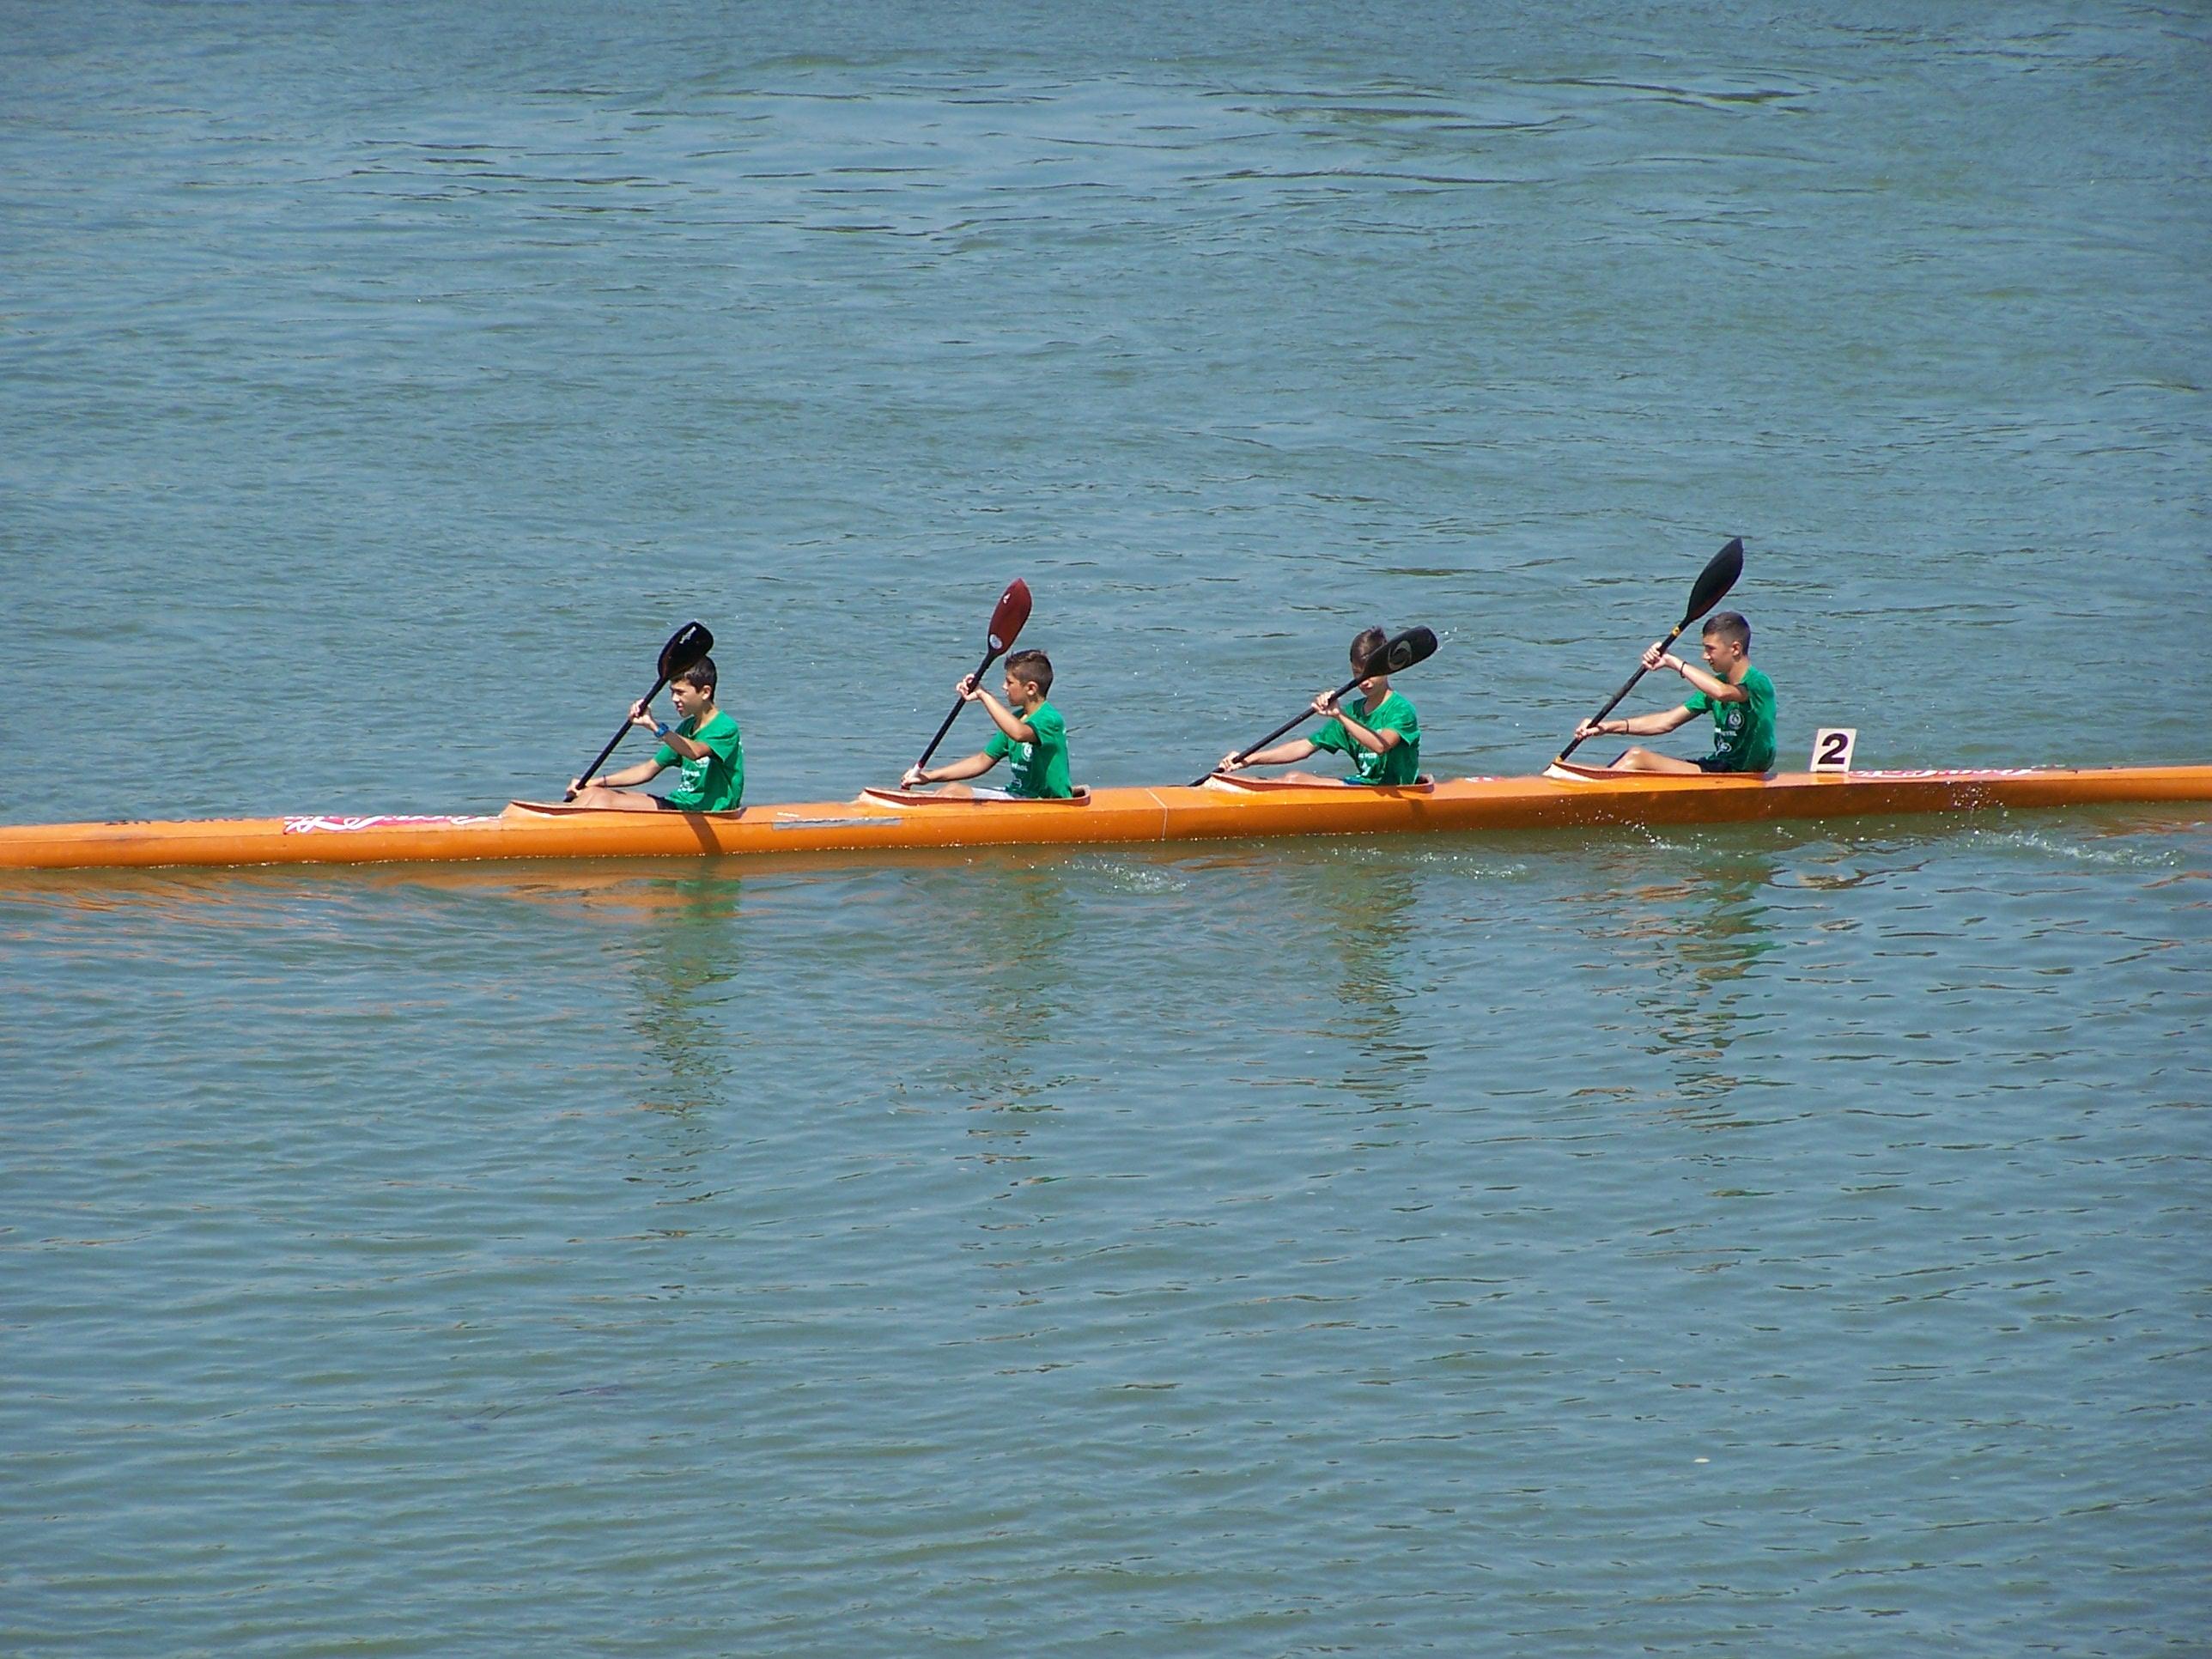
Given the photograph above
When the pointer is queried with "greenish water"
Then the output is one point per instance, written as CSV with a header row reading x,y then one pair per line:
x,y
1773,1242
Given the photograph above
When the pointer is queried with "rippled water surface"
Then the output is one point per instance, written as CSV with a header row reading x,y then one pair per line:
x,y
1773,1242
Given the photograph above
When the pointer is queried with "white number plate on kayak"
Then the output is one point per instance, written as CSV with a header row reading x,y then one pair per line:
x,y
1832,747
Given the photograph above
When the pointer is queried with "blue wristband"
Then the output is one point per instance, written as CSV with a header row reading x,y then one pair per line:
x,y
662,731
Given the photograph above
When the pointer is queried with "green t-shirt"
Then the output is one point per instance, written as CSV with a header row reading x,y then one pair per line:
x,y
714,782
1040,768
1743,732
1402,764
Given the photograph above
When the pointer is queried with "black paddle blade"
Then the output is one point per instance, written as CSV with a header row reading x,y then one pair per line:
x,y
685,646
1715,580
1007,617
1400,653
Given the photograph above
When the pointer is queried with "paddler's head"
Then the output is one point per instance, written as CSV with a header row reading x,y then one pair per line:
x,y
1727,640
1029,679
693,691
1367,647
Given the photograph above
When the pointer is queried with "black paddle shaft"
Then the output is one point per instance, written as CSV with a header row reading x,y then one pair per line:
x,y
1414,645
683,650
1714,581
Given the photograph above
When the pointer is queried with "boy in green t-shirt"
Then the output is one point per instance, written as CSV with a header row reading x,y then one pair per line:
x,y
1379,730
705,747
1029,729
1739,697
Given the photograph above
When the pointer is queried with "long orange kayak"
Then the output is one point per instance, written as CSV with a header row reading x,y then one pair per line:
x,y
1568,797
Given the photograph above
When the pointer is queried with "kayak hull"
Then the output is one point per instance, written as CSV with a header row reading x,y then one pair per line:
x,y
1219,810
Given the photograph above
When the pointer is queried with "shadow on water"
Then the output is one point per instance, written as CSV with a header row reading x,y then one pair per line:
x,y
1314,949
1014,987
1365,912
685,957
679,966
1692,942
1014,972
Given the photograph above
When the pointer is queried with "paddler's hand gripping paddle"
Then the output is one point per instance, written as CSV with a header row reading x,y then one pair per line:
x,y
1713,583
1394,655
1007,617
685,646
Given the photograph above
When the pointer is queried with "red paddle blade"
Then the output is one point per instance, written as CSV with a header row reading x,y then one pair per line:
x,y
1008,616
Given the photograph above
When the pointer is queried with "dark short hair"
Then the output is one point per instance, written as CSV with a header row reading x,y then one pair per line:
x,y
1730,626
699,673
1368,642
1033,667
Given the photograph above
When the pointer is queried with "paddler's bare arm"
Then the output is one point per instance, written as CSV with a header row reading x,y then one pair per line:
x,y
628,778
1003,717
1638,726
1380,743
1714,687
1281,755
678,744
685,748
973,767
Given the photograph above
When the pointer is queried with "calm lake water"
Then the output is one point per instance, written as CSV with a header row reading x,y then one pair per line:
x,y
1758,1240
